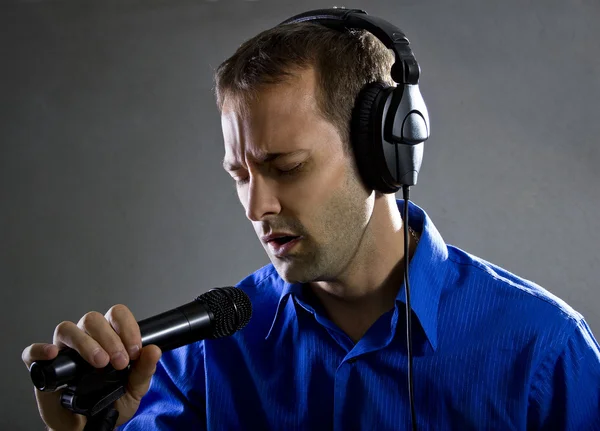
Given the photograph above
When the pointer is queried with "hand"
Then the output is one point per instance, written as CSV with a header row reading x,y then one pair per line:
x,y
115,338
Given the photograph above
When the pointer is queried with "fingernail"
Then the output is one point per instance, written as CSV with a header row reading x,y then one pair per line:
x,y
48,349
100,357
133,350
118,359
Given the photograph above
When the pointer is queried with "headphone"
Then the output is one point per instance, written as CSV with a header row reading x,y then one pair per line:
x,y
389,124
388,128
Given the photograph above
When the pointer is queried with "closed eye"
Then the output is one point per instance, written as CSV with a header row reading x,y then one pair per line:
x,y
281,172
292,170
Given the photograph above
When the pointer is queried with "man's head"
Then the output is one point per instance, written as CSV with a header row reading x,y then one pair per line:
x,y
286,98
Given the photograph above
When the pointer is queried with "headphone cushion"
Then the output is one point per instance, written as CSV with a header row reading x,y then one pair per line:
x,y
366,143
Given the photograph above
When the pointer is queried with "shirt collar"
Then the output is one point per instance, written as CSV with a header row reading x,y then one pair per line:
x,y
427,272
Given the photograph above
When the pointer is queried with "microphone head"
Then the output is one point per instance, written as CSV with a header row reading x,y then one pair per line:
x,y
231,308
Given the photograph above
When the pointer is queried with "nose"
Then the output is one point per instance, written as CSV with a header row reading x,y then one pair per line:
x,y
261,199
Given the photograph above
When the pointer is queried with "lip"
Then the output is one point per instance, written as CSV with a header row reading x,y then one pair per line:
x,y
275,235
280,250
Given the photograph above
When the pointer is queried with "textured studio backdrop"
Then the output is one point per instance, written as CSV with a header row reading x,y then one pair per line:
x,y
111,189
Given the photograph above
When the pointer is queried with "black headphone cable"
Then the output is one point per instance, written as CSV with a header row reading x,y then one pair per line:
x,y
406,194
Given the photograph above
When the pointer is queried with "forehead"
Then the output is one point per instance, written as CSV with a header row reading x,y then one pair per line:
x,y
279,119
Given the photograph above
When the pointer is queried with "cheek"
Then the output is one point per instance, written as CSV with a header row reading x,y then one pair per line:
x,y
316,188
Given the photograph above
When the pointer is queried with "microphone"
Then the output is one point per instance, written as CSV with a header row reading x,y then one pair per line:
x,y
220,312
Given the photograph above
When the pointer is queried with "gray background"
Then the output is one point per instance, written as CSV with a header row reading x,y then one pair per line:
x,y
111,189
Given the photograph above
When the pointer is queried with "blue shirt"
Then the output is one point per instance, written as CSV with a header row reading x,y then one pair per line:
x,y
492,351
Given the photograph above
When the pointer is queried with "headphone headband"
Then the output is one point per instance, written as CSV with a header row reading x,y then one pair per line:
x,y
405,70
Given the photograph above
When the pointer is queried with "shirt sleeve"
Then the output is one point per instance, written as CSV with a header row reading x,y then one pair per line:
x,y
175,399
566,391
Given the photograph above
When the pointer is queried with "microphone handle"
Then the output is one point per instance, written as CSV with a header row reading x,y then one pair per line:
x,y
177,327
169,330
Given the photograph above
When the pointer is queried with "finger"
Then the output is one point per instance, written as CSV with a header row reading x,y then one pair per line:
x,y
98,328
69,335
38,352
126,327
142,371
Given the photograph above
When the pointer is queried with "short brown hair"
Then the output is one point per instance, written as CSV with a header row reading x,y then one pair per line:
x,y
344,62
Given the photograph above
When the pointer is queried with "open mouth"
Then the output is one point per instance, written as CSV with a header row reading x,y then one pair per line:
x,y
283,240
283,245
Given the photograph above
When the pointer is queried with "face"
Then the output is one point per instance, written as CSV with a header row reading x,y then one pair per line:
x,y
294,178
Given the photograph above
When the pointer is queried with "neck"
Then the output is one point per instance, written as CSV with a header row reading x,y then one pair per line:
x,y
368,286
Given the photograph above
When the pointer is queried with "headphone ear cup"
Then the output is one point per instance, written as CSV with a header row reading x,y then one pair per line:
x,y
366,136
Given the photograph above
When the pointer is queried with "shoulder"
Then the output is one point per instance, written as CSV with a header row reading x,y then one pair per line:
x,y
510,300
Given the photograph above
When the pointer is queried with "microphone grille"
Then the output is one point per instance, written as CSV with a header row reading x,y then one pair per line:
x,y
231,308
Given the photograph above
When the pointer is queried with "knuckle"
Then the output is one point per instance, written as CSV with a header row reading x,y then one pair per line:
x,y
120,318
90,319
118,311
62,328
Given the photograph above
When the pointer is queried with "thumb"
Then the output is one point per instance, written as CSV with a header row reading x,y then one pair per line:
x,y
140,376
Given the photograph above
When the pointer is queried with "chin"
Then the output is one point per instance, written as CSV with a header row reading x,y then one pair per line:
x,y
293,272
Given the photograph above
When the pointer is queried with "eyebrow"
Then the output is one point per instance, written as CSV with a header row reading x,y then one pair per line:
x,y
265,158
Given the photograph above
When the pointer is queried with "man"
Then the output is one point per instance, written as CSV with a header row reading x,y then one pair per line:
x,y
326,347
